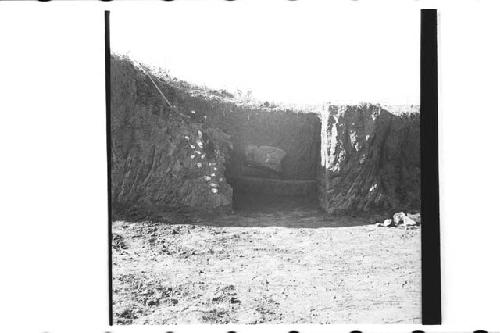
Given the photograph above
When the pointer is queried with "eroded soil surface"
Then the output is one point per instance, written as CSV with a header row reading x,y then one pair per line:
x,y
297,266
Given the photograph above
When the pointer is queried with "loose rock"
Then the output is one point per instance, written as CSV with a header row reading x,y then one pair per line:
x,y
398,218
415,217
388,223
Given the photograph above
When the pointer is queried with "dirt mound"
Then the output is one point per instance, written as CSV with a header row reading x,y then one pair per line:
x,y
264,157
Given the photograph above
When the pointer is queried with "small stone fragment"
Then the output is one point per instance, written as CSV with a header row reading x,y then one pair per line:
x,y
408,221
387,223
415,217
398,218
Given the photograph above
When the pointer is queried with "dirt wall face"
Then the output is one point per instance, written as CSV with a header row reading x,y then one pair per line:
x,y
161,158
370,160
172,143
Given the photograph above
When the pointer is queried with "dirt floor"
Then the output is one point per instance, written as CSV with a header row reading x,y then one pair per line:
x,y
285,266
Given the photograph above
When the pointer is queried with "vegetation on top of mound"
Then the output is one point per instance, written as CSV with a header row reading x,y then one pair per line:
x,y
239,98
244,99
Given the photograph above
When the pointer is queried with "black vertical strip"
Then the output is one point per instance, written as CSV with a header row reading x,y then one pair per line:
x,y
431,258
107,56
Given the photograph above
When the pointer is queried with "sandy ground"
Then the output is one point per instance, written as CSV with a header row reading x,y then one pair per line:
x,y
283,267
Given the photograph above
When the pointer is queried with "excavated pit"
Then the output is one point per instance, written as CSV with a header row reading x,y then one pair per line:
x,y
289,182
176,146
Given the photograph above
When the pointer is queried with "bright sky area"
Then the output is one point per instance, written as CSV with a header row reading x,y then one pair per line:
x,y
288,52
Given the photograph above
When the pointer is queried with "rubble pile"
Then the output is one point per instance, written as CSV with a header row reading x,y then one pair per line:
x,y
401,219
